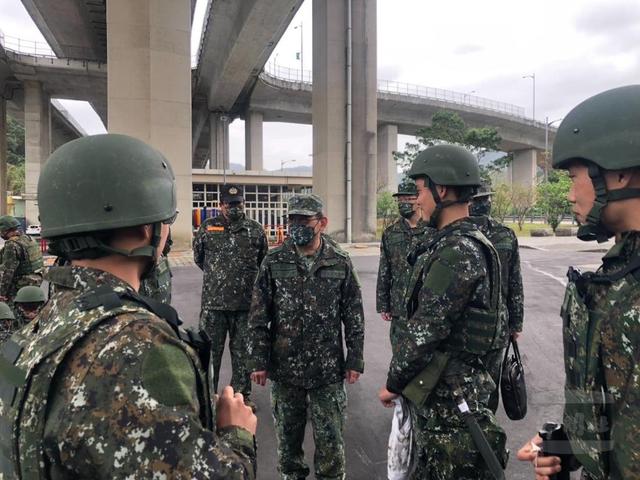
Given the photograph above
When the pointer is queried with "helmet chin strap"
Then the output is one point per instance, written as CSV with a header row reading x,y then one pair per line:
x,y
594,229
440,204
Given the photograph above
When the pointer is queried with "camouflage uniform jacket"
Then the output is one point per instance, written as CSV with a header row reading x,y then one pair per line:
x,y
229,253
398,239
506,243
157,285
451,276
110,392
602,363
21,265
297,315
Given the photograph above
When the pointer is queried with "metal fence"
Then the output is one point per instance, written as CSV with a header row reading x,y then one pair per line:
x,y
26,47
407,90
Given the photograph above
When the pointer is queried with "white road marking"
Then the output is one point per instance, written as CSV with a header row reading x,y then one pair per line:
x,y
561,281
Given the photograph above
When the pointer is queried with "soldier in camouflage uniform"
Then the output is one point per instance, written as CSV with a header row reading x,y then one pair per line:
x,y
506,244
21,263
454,313
598,142
28,303
398,240
229,249
157,283
306,292
7,321
126,395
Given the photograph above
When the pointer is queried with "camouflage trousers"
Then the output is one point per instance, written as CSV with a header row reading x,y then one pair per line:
x,y
445,448
326,407
493,363
217,324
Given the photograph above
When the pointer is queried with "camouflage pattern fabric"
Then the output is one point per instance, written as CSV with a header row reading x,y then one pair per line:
x,y
218,324
22,265
297,315
601,327
126,397
229,254
7,327
326,407
157,285
506,244
451,276
394,271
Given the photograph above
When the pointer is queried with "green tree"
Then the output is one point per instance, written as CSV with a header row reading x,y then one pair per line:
x,y
501,205
523,199
15,142
387,208
552,198
15,156
448,127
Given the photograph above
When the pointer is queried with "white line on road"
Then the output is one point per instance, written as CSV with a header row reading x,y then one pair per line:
x,y
561,281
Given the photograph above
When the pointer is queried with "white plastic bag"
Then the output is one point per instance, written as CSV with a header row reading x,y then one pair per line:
x,y
400,442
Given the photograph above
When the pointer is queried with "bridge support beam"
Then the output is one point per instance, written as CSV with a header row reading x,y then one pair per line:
x,y
253,141
3,156
329,121
149,86
524,167
218,141
387,168
37,143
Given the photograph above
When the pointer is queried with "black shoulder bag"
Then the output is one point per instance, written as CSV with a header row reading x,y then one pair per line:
x,y
512,384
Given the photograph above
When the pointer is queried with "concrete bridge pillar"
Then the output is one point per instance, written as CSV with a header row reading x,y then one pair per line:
x,y
253,141
3,155
524,167
218,140
387,167
149,86
329,101
37,140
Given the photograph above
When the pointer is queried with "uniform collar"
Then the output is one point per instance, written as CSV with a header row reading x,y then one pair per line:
x,y
84,278
628,246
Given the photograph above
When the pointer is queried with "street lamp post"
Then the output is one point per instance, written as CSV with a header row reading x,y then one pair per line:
x,y
533,77
301,52
284,162
547,124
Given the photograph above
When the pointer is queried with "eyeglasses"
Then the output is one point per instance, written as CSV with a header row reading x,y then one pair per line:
x,y
303,220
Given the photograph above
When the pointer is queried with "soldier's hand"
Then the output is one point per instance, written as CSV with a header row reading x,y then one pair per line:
x,y
516,335
543,466
232,412
387,398
386,316
352,376
259,377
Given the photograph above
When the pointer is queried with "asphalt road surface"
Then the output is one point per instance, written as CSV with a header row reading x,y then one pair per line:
x,y
368,423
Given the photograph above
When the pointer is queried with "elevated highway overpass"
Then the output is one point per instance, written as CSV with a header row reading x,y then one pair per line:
x,y
149,90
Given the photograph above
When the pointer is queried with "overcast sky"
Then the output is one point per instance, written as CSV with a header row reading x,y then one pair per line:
x,y
576,48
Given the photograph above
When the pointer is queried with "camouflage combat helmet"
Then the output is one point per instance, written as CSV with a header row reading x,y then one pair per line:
x,y
29,294
484,191
306,204
604,133
101,183
407,187
5,312
448,165
7,222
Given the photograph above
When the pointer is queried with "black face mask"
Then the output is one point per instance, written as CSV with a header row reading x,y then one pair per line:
x,y
480,207
406,209
235,213
301,234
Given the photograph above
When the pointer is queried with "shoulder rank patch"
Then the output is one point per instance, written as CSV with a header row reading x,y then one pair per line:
x,y
168,375
439,277
214,228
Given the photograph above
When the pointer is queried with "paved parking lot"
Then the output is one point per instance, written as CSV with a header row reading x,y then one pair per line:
x,y
368,422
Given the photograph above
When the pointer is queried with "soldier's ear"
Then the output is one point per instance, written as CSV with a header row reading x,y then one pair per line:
x,y
324,221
